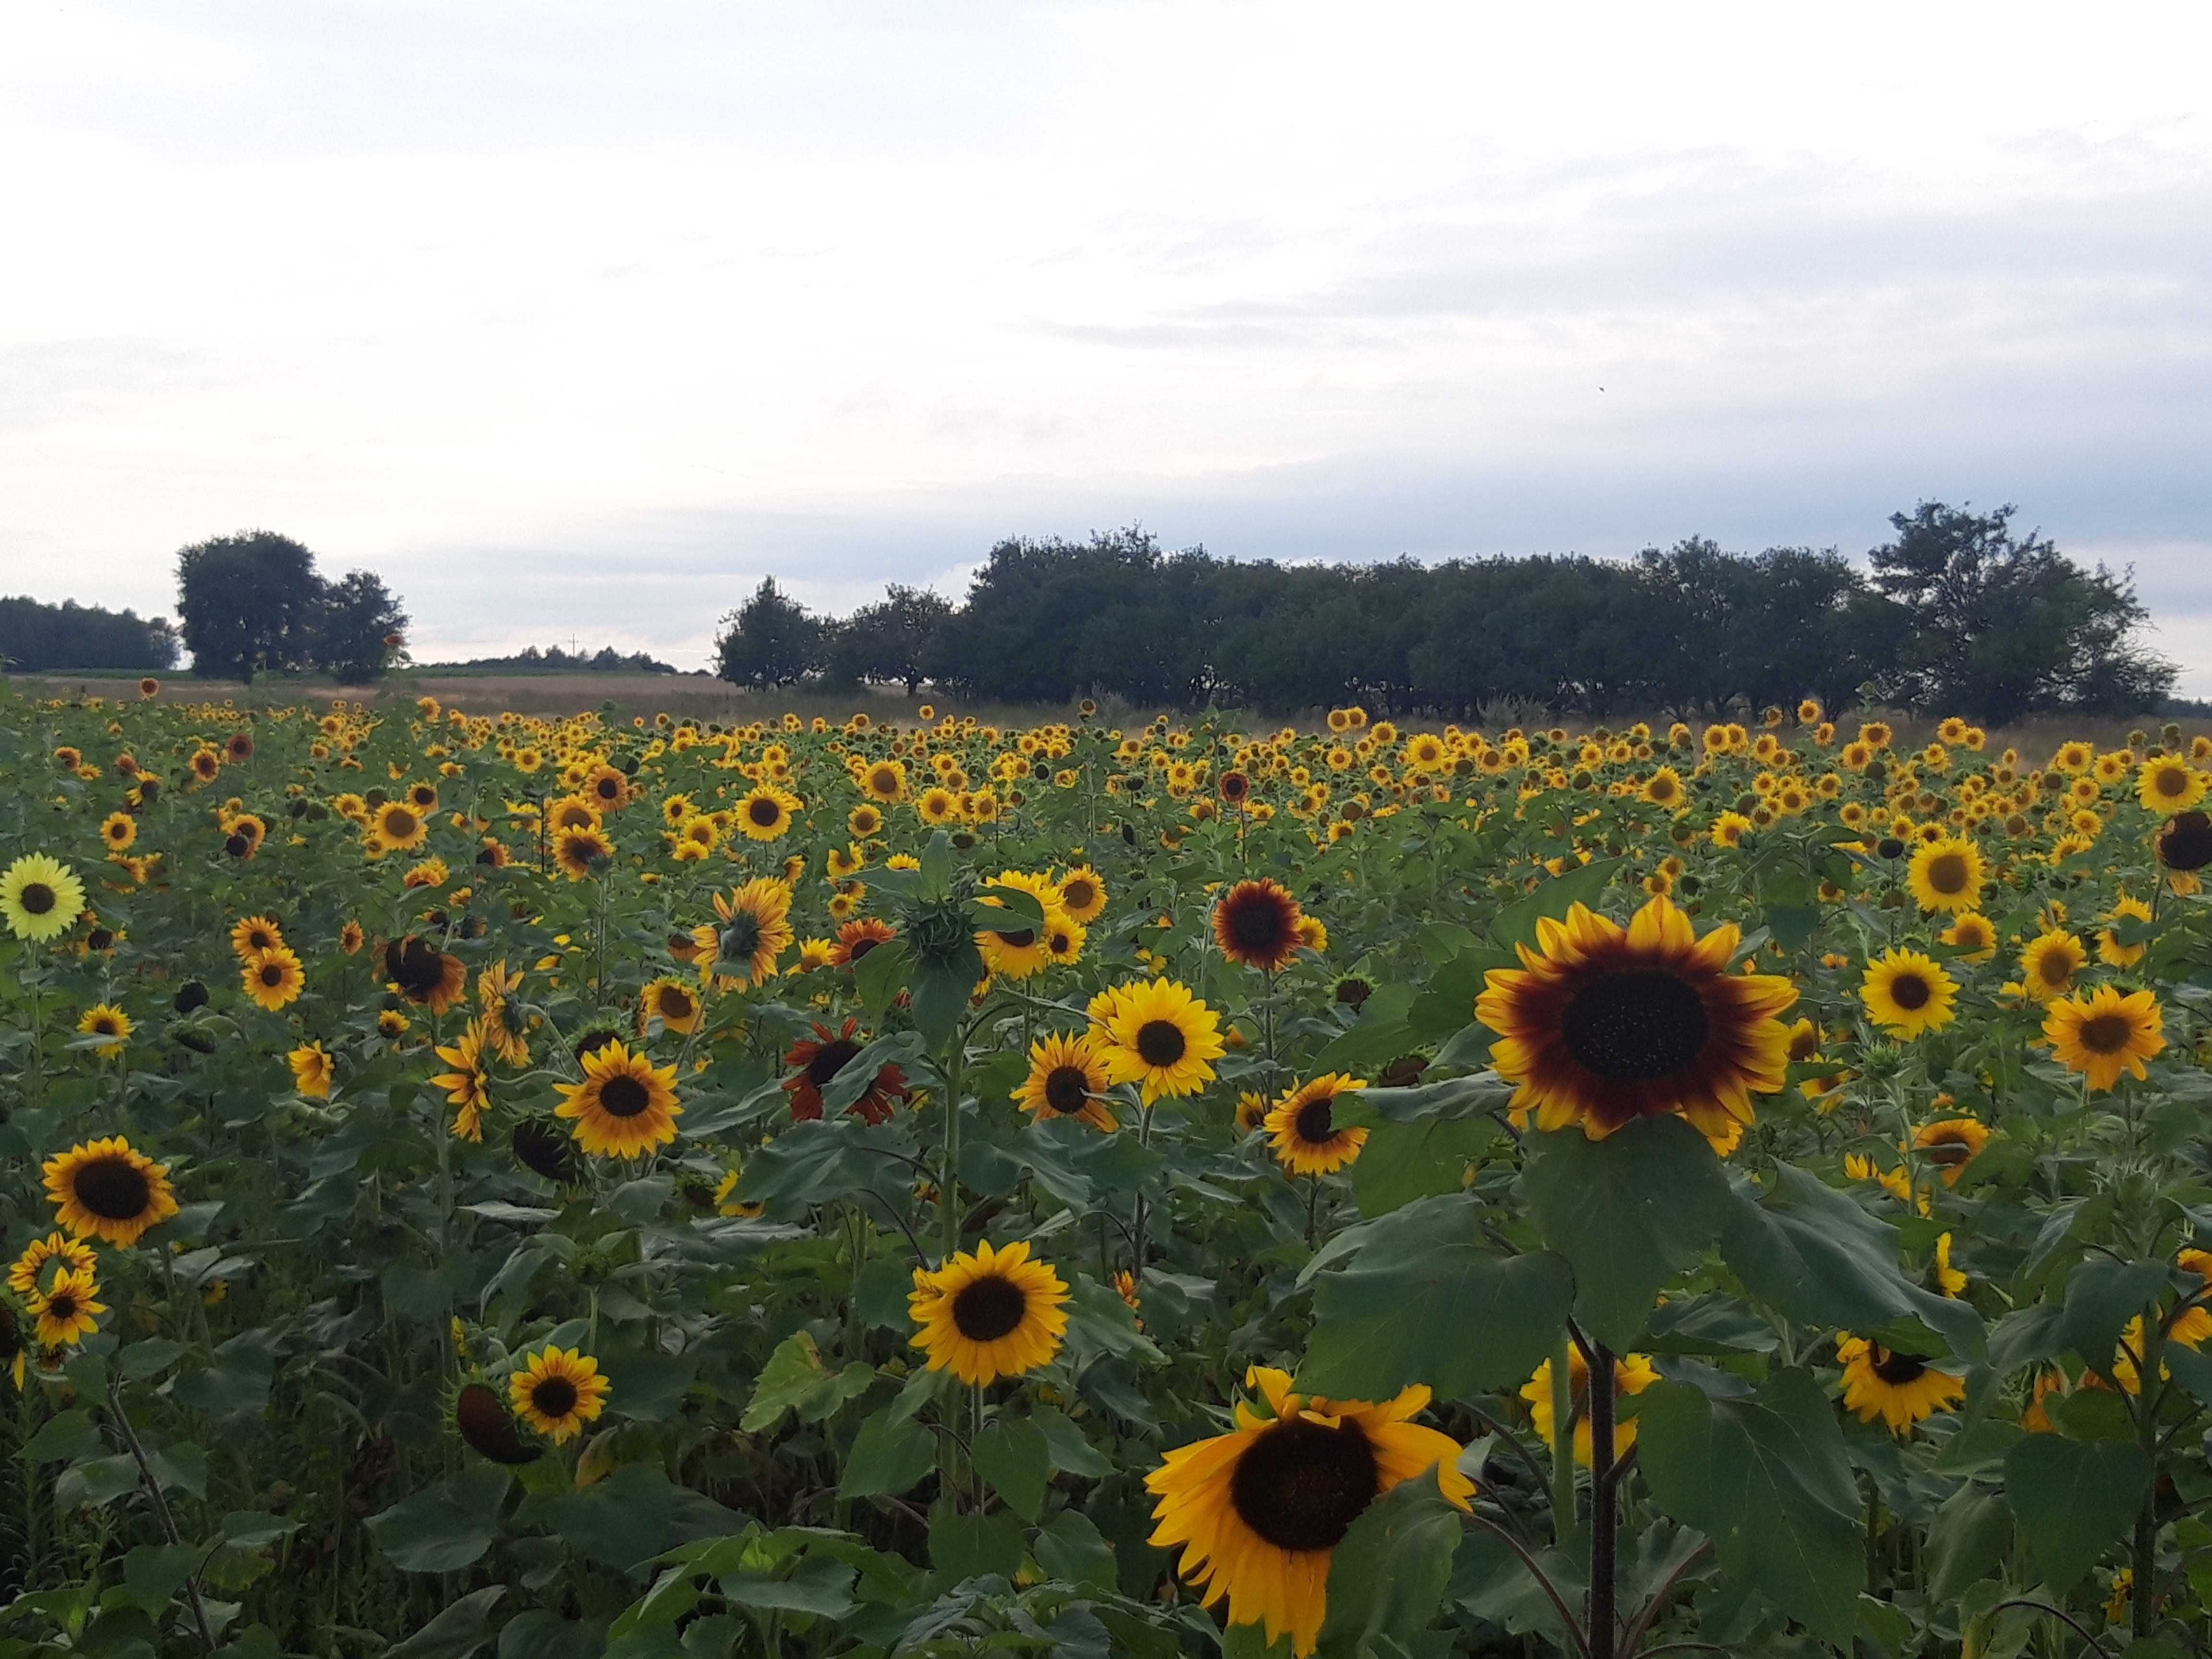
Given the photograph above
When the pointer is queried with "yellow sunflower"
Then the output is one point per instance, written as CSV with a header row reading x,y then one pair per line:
x,y
2049,963
1019,953
765,813
1631,1374
313,1071
2105,1033
938,806
1258,1511
1302,1126
39,897
1602,1024
624,1107
65,1309
117,830
274,979
466,1085
581,852
1907,992
2110,948
106,1190
1900,1389
884,780
1082,895
1066,1079
1973,934
992,1314
1946,874
1951,1144
397,827
671,1001
1156,1036
61,1253
104,1020
255,934
557,1391
756,929
2169,783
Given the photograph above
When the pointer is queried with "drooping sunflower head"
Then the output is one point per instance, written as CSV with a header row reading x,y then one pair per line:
x,y
557,1391
1907,992
39,897
107,1189
489,1426
1158,1036
1602,1024
1302,1128
1257,924
2105,1033
624,1107
990,1314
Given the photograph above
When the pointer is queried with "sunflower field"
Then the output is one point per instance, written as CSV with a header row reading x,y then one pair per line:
x,y
529,1187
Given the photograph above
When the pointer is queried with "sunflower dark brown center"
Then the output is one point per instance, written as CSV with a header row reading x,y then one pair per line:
x,y
1948,1152
36,898
1258,921
1638,1023
830,1058
113,1190
1315,1121
62,1304
399,822
861,946
2106,1034
985,1309
675,1002
1911,992
624,1095
1020,939
1067,1089
2186,842
1160,1043
2055,967
272,974
1302,1484
1898,1368
1947,873
766,813
554,1396
1078,895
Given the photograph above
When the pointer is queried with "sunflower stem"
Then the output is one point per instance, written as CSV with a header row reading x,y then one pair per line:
x,y
161,1503
1604,1626
1563,1442
948,1186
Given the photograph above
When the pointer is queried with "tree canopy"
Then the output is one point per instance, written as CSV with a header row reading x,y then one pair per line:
x,y
34,636
253,602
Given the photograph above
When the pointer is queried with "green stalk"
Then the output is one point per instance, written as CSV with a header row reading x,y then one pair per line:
x,y
1563,1442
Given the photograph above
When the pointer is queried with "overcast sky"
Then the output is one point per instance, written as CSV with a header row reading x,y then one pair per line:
x,y
576,319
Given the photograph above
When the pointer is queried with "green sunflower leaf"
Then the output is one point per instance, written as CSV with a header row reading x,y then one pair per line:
x,y
2073,1499
1388,1575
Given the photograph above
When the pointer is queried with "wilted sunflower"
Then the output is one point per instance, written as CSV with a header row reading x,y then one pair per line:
x,y
489,1426
274,979
1082,895
1257,924
2049,963
397,827
65,1310
557,1391
578,853
1603,1024
1946,874
2105,1033
672,1002
255,934
39,897
992,1314
1631,1374
624,1107
1302,1129
1907,992
1066,1079
2169,784
765,813
1156,1036
1258,1511
1951,1144
547,1151
1900,1389
821,1058
106,1190
756,929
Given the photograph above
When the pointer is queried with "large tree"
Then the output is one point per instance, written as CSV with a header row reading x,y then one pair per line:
x,y
769,640
355,621
891,642
248,602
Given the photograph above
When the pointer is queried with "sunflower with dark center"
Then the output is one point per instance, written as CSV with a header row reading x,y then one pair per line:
x,y
106,1190
2168,783
397,827
856,937
254,935
489,1428
558,1390
992,1314
66,1311
1156,1036
546,1152
1066,1079
39,897
606,788
1602,1024
1900,1389
582,853
274,979
2049,963
754,929
425,974
1946,874
624,1107
1258,1511
1302,1128
1907,992
821,1058
1021,951
1631,1375
765,813
1257,924
2105,1033
2184,842
1082,894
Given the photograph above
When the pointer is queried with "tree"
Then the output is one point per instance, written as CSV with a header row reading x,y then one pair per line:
x,y
354,618
890,642
2000,625
33,636
769,640
248,602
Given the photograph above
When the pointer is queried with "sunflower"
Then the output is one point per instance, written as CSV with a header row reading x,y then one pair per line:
x,y
671,1001
255,934
117,830
1946,874
104,1020
65,1309
106,1190
397,827
425,974
1631,1374
1258,1511
1900,1389
938,806
2183,843
1907,992
1257,924
1082,895
2104,1033
755,927
624,1107
573,812
884,781
55,1250
2110,948
1066,1079
1947,1279
545,1150
1158,1035
313,1071
558,1390
1302,1126
2049,963
821,1058
489,1427
274,979
856,937
1062,938
39,897
1602,1024
2169,784
1951,1144
989,1315
466,1085
1019,952
606,788
765,813
863,821
578,854
1973,934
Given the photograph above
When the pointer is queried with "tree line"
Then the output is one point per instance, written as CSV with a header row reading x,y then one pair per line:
x,y
1957,612
35,636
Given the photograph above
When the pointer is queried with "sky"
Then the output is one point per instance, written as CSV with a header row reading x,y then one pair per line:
x,y
575,320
